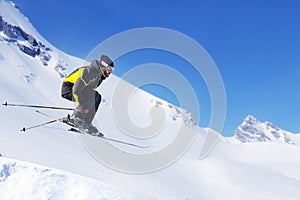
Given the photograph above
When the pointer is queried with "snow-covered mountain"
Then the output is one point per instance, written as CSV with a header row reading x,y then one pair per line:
x,y
252,130
14,34
52,163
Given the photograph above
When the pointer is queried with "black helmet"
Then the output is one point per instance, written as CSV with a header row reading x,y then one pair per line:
x,y
105,61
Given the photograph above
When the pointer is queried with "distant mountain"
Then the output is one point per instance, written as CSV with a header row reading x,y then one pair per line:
x,y
252,130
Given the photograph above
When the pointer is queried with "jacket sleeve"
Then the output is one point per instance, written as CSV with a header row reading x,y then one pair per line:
x,y
83,87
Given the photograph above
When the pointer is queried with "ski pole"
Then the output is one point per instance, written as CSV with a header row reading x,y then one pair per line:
x,y
43,124
37,106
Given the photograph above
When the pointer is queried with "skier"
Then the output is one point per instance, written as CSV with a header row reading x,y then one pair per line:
x,y
80,87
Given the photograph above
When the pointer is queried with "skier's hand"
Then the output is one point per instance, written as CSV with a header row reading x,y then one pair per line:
x,y
82,110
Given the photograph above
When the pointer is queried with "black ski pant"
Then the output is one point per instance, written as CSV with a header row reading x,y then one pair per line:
x,y
92,100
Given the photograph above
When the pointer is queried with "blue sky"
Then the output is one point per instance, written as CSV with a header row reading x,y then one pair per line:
x,y
255,45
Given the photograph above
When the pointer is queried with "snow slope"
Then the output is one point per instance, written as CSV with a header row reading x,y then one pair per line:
x,y
52,163
21,180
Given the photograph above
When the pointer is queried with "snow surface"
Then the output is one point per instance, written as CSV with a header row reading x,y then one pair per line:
x,y
52,163
21,180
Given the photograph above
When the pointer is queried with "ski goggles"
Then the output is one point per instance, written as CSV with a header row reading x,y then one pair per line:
x,y
108,67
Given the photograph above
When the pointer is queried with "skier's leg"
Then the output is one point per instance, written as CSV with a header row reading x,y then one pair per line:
x,y
81,111
93,107
94,104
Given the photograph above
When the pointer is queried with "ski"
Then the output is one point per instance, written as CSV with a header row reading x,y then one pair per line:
x,y
126,143
74,128
109,139
77,130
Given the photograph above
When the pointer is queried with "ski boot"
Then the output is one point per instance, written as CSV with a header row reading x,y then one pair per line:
x,y
79,123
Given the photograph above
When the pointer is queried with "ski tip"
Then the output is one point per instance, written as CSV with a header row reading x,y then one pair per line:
x,y
5,104
23,129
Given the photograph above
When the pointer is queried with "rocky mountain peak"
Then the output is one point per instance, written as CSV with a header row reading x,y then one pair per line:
x,y
253,130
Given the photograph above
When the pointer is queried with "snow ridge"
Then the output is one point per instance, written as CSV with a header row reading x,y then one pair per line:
x,y
252,130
